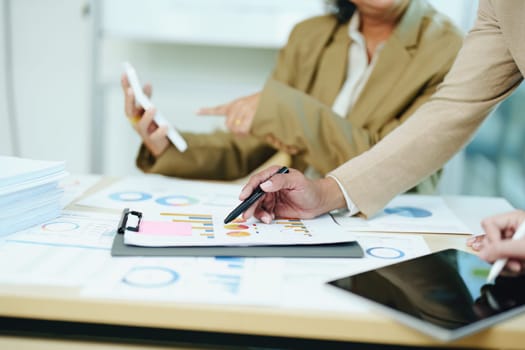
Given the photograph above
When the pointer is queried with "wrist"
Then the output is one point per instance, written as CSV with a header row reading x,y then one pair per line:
x,y
331,195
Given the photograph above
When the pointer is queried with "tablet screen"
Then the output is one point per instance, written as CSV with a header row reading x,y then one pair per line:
x,y
446,289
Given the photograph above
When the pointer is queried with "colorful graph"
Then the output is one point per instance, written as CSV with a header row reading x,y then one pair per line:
x,y
150,277
130,196
60,226
238,234
232,262
293,225
236,227
409,212
201,224
385,252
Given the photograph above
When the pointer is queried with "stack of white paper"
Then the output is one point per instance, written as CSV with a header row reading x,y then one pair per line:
x,y
29,192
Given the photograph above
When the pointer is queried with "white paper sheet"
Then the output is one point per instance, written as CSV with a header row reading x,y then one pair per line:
x,y
290,283
204,206
19,174
159,193
209,230
75,185
409,213
222,280
44,264
72,229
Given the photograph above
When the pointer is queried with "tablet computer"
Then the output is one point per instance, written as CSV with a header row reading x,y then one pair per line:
x,y
443,294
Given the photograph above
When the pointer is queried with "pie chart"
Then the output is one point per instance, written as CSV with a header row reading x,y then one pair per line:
x,y
409,212
236,227
150,277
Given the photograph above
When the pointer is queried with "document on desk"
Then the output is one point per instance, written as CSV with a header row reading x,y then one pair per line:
x,y
45,264
409,213
179,229
160,193
220,280
75,185
290,283
191,213
77,229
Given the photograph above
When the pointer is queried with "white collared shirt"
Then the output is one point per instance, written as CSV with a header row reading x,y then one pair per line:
x,y
358,69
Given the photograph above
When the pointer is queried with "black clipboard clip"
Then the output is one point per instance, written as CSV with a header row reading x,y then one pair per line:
x,y
124,221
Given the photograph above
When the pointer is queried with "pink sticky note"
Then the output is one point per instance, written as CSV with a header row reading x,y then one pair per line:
x,y
165,228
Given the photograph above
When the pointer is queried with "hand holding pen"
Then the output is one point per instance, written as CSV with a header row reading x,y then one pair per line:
x,y
290,195
250,200
502,242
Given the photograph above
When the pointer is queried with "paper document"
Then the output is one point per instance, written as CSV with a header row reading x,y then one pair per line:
x,y
198,229
19,173
409,213
223,280
196,211
44,264
72,229
75,185
164,193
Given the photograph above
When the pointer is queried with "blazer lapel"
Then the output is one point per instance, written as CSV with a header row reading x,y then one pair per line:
x,y
332,67
394,59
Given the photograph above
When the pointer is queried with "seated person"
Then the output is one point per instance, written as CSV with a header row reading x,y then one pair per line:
x,y
341,84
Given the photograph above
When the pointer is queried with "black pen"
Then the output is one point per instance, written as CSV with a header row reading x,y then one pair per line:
x,y
241,208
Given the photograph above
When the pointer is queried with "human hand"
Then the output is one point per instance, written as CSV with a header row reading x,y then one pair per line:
x,y
496,243
153,137
291,195
239,113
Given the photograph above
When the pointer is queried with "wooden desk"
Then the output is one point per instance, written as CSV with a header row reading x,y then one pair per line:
x,y
66,308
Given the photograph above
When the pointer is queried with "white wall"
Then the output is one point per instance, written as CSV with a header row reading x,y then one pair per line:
x,y
51,56
5,134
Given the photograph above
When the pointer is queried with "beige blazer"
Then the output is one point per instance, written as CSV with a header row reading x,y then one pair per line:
x,y
412,63
294,113
488,68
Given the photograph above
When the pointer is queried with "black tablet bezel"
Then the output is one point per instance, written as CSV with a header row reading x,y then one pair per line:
x,y
424,326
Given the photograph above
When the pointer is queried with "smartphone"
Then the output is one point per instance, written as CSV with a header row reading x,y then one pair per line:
x,y
173,135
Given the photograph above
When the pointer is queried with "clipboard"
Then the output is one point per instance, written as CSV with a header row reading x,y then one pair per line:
x,y
331,250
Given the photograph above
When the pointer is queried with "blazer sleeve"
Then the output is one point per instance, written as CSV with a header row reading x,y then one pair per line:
x,y
483,74
216,156
299,124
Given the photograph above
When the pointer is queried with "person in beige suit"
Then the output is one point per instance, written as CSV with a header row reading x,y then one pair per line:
x,y
339,86
489,67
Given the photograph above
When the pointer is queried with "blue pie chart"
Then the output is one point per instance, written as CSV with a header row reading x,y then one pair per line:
x,y
409,212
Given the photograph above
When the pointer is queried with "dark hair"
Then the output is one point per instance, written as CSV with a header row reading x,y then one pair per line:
x,y
342,9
